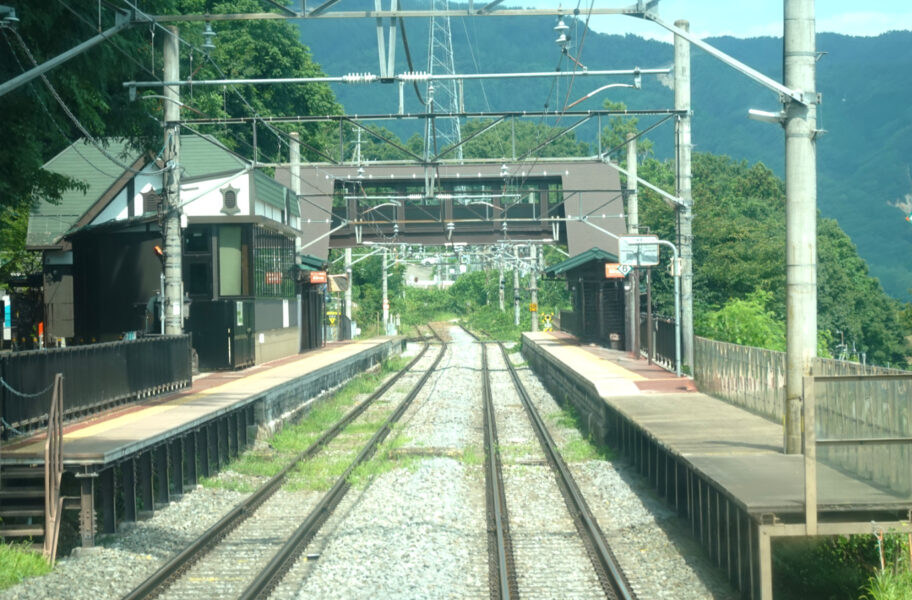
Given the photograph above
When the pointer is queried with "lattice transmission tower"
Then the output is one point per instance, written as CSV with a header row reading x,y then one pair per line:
x,y
442,96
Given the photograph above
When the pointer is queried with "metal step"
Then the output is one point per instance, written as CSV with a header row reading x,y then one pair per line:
x,y
21,492
9,531
20,512
7,473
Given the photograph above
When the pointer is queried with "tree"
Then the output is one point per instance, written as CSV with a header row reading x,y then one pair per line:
x,y
259,49
497,142
90,86
745,321
739,258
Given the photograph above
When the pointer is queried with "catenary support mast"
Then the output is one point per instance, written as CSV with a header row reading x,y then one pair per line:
x,y
800,211
171,231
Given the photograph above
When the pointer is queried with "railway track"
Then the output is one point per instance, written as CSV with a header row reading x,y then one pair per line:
x,y
268,513
267,536
506,564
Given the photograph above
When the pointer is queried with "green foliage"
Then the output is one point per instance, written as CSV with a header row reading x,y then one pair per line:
x,y
889,585
19,562
260,49
367,289
497,142
747,322
839,567
493,322
90,85
739,252
828,568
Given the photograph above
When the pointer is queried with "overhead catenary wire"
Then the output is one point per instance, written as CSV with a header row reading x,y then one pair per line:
x,y
66,109
283,136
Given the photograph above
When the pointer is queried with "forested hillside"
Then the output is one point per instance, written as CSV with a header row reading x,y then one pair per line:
x,y
864,157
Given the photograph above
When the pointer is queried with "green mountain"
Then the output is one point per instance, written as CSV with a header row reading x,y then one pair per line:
x,y
864,158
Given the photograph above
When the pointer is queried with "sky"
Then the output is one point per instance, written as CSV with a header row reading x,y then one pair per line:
x,y
750,18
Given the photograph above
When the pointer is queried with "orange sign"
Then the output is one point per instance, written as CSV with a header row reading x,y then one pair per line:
x,y
318,276
613,271
273,277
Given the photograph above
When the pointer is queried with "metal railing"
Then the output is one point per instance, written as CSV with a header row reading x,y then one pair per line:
x,y
97,376
663,340
53,472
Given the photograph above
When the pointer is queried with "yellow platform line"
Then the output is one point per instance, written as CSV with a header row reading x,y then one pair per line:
x,y
286,371
611,369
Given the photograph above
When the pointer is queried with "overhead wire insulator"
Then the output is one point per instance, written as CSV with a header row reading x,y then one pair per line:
x,y
414,76
355,78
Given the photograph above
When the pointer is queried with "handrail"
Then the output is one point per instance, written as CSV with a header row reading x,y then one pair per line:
x,y
53,471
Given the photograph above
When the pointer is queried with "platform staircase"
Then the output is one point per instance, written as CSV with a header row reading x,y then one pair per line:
x,y
31,506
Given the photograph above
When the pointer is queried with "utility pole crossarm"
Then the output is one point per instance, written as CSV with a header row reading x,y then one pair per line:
x,y
768,82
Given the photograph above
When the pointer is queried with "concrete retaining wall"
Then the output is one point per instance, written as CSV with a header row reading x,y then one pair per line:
x,y
283,402
570,387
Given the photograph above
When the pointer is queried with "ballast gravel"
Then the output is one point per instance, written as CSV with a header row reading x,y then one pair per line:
x,y
416,532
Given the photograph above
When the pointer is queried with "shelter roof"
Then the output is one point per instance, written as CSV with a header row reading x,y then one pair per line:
x,y
104,178
82,161
593,254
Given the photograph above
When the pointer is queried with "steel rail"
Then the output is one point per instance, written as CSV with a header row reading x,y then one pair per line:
x,y
159,581
266,581
498,521
612,578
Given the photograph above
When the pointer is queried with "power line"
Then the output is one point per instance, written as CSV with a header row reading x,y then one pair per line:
x,y
66,109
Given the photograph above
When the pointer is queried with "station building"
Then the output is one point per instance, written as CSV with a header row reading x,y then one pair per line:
x,y
245,285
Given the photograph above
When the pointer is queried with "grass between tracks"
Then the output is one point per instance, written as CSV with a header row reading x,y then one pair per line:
x,y
244,473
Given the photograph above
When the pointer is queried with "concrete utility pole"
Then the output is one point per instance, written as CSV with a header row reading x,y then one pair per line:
x,y
348,290
533,284
171,223
685,212
633,227
294,160
386,306
800,212
516,285
500,258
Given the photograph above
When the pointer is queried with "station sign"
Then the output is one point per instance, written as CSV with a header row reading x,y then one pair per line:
x,y
616,270
318,277
638,250
273,277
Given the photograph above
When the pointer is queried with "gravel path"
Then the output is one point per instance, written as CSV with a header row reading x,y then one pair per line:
x,y
418,531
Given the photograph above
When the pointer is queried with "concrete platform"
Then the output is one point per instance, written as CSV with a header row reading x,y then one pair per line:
x,y
718,465
738,451
112,436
